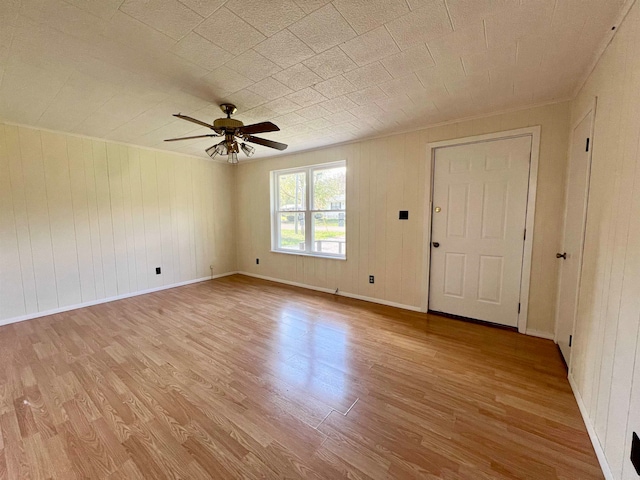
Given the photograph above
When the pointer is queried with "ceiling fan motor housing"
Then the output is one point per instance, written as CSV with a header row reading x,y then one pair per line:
x,y
228,124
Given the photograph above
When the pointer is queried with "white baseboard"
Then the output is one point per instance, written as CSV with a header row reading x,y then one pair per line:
x,y
412,308
604,465
31,316
332,291
533,333
540,334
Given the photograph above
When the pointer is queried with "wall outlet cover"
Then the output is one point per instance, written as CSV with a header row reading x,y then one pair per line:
x,y
371,279
158,270
403,215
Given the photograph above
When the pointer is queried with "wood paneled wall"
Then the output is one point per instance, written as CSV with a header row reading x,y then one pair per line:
x,y
83,220
387,175
605,363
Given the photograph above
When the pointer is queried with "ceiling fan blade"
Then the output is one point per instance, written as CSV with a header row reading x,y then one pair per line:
x,y
265,142
193,120
189,138
258,128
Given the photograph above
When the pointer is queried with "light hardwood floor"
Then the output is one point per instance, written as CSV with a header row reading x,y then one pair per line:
x,y
242,378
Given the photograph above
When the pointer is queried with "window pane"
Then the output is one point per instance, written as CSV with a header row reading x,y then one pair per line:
x,y
329,188
292,190
329,232
291,230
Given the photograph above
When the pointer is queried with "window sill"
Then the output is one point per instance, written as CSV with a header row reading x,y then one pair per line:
x,y
307,254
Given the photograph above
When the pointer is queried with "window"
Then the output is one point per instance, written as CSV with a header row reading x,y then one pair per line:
x,y
309,210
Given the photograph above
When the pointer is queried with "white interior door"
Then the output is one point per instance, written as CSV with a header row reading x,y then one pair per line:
x,y
574,224
477,232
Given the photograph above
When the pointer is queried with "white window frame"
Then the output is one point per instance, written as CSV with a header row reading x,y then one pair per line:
x,y
308,224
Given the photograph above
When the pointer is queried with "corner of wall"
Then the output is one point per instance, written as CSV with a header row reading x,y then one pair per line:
x,y
235,216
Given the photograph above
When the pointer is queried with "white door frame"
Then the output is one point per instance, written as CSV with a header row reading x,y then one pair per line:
x,y
534,133
590,108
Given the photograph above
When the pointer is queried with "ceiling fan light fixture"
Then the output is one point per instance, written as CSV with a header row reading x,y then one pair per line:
x,y
212,151
221,148
233,158
247,149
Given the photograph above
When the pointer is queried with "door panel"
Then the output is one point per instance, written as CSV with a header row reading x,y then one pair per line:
x,y
574,224
457,211
459,163
490,279
454,273
479,199
494,211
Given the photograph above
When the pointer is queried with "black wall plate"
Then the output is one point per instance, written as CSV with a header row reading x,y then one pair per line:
x,y
635,452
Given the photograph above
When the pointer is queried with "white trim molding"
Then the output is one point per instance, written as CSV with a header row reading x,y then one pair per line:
x,y
116,142
532,333
257,158
540,334
602,459
68,308
355,296
604,44
534,133
412,308
333,292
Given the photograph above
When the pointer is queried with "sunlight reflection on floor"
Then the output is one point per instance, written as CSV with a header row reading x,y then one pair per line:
x,y
320,363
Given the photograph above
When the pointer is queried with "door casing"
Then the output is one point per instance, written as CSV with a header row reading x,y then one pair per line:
x,y
534,133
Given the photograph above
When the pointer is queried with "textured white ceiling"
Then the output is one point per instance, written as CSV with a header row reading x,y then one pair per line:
x,y
324,72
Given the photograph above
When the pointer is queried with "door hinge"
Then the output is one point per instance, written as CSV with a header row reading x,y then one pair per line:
x,y
587,149
518,308
525,234
570,339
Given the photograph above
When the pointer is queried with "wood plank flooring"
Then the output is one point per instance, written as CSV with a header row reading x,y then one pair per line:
x,y
242,378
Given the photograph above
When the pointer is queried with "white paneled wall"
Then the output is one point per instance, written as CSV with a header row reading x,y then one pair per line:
x,y
83,220
605,363
387,175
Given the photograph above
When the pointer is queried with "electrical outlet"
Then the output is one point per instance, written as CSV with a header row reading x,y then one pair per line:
x,y
403,215
257,261
158,271
371,279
